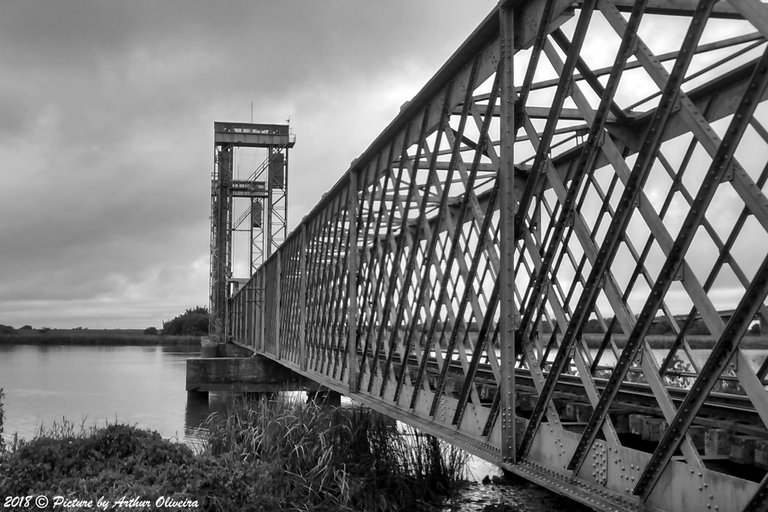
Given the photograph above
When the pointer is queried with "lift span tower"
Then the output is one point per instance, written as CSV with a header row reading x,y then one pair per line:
x,y
249,184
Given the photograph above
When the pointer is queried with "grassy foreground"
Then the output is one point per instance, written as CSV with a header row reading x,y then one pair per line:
x,y
264,456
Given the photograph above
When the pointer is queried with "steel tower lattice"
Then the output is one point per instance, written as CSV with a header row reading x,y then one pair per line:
x,y
266,191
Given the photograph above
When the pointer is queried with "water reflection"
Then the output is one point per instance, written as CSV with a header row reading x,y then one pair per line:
x,y
199,409
95,385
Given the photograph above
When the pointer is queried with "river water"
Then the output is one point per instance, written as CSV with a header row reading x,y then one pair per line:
x,y
137,385
145,386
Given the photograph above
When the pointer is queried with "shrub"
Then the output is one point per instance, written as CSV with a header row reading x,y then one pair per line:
x,y
150,330
192,322
284,455
113,461
673,377
6,329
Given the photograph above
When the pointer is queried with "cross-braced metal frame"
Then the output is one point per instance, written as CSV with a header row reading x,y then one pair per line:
x,y
556,256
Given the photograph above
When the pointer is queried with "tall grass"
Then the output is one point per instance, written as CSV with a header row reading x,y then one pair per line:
x,y
283,455
339,459
2,414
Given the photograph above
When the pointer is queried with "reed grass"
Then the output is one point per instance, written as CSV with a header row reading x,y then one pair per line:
x,y
339,458
2,414
281,455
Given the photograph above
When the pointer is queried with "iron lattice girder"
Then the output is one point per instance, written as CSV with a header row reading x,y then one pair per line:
x,y
583,166
625,204
716,97
719,94
671,265
404,285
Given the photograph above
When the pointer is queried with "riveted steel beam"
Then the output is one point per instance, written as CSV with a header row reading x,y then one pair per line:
x,y
353,269
532,184
607,251
621,219
400,246
416,278
428,339
745,312
479,250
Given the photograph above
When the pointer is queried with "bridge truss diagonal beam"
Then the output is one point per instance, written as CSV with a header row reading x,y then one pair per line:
x,y
477,271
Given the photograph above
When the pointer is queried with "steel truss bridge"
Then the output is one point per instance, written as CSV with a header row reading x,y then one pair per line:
x,y
497,266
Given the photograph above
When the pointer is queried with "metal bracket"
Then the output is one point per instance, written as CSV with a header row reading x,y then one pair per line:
x,y
601,138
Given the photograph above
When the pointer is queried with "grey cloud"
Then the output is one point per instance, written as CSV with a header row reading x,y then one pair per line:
x,y
105,140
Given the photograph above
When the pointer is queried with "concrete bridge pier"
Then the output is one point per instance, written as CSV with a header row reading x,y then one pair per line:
x,y
324,396
197,396
256,396
234,368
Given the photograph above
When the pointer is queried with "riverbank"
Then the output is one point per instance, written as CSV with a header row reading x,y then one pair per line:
x,y
267,456
91,337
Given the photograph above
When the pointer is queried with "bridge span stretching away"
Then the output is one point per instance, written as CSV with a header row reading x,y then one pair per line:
x,y
577,177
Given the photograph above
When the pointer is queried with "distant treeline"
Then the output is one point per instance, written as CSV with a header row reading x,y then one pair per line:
x,y
660,325
88,337
193,322
187,327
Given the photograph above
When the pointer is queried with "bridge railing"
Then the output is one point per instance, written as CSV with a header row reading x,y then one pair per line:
x,y
533,254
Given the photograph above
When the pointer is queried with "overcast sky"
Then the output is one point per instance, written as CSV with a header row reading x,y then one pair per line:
x,y
106,127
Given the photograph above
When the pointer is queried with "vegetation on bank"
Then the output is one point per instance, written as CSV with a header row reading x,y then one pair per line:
x,y
46,336
267,456
184,328
193,322
338,458
2,415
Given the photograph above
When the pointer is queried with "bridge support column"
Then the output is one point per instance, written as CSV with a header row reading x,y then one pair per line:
x,y
352,262
506,276
230,367
324,396
303,299
197,396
